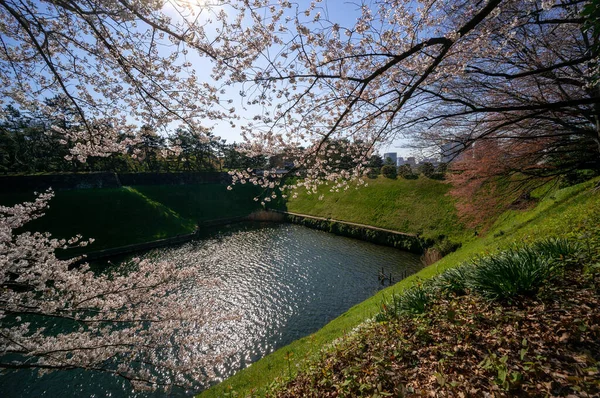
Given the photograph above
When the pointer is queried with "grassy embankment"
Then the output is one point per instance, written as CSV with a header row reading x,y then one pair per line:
x,y
122,216
411,206
564,213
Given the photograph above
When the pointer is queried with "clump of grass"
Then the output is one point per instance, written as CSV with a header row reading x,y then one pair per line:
x,y
558,249
520,271
413,301
454,280
417,299
505,276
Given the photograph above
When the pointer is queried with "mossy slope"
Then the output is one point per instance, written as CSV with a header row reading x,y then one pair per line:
x,y
411,206
122,216
566,213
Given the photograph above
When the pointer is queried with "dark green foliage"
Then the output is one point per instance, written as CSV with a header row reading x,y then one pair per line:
x,y
454,280
389,162
375,164
373,173
427,169
389,171
234,159
28,145
413,301
577,177
416,300
446,246
515,272
406,172
439,172
557,248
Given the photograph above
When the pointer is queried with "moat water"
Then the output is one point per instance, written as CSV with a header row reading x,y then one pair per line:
x,y
280,281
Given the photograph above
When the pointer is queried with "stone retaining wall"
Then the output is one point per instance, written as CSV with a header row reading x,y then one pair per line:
x,y
380,236
61,182
184,178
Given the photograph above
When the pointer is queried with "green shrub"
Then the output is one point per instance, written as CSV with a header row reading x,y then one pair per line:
x,y
577,177
412,301
389,171
404,170
556,248
446,246
516,272
454,280
427,169
416,300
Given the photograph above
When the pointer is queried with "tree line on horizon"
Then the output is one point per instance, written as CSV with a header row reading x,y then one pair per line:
x,y
29,144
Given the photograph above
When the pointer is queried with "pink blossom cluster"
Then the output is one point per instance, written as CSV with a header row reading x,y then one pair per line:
x,y
131,320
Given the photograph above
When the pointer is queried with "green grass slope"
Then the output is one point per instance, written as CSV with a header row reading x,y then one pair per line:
x,y
204,202
571,212
123,216
113,217
410,206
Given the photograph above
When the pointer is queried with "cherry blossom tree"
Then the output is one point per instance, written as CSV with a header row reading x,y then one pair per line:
x,y
323,91
538,87
493,175
136,322
433,71
121,64
118,65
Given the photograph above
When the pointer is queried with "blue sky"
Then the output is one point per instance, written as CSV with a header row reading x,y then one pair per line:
x,y
339,11
343,12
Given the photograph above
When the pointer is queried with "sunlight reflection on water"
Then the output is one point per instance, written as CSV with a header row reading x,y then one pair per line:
x,y
282,281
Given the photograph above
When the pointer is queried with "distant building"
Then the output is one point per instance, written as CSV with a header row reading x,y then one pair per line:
x,y
400,161
411,160
390,155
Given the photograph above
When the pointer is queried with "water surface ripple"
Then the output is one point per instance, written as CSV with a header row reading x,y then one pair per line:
x,y
281,281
